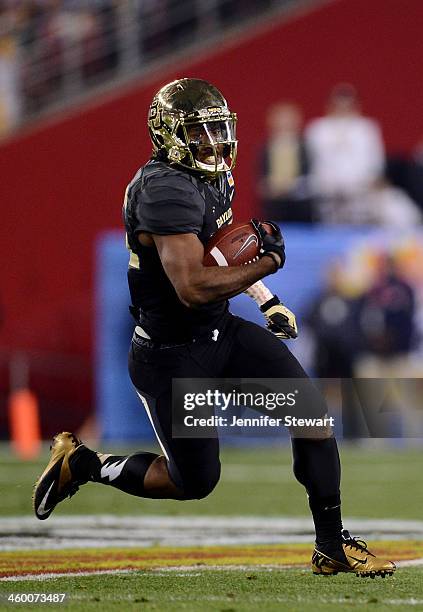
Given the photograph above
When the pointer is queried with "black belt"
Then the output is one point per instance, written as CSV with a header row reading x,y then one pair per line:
x,y
210,334
144,343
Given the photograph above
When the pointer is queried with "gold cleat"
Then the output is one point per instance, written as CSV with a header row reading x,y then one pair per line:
x,y
56,482
358,559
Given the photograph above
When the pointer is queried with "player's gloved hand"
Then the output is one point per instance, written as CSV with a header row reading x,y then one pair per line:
x,y
270,243
280,320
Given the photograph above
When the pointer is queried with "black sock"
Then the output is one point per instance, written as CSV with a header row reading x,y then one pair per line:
x,y
317,467
123,472
327,519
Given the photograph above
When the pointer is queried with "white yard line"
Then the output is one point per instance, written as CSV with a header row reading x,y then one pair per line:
x,y
52,575
187,571
61,532
409,563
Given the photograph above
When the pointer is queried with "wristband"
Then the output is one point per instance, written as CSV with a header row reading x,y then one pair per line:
x,y
274,301
259,293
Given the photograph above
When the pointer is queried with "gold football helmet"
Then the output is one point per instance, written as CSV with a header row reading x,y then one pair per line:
x,y
191,125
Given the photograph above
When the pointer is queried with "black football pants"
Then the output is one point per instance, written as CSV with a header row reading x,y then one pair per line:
x,y
242,350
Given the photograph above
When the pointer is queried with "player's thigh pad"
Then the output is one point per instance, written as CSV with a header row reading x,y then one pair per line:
x,y
193,463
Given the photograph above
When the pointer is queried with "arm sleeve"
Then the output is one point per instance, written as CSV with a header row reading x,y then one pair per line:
x,y
169,205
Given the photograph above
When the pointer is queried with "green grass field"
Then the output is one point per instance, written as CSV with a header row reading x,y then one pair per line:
x,y
378,482
229,591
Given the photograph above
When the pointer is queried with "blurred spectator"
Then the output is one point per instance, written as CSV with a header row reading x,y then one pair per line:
x,y
406,172
107,16
386,319
346,157
237,10
183,22
153,18
65,46
99,53
66,43
333,319
283,164
10,98
414,176
390,206
42,54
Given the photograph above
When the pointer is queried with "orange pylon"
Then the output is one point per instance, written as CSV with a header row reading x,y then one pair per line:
x,y
24,423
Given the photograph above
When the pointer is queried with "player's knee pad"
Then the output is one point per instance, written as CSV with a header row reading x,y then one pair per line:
x,y
201,484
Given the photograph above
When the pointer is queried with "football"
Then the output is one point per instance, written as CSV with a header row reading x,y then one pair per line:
x,y
233,245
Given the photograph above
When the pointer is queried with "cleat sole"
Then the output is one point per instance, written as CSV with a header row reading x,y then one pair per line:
x,y
372,575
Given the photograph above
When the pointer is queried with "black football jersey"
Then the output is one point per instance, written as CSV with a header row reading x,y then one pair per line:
x,y
163,200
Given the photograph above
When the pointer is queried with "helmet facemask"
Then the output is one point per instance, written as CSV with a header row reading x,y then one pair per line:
x,y
211,145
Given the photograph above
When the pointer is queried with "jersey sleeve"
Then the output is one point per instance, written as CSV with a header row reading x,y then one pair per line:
x,y
169,205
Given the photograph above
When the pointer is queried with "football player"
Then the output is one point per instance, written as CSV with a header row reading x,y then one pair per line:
x,y
184,329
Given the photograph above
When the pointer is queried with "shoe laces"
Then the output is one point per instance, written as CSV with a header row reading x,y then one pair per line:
x,y
356,543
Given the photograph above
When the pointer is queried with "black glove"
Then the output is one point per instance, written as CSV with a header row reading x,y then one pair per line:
x,y
270,243
280,320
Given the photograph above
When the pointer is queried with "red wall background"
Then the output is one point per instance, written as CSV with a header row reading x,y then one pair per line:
x,y
62,184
